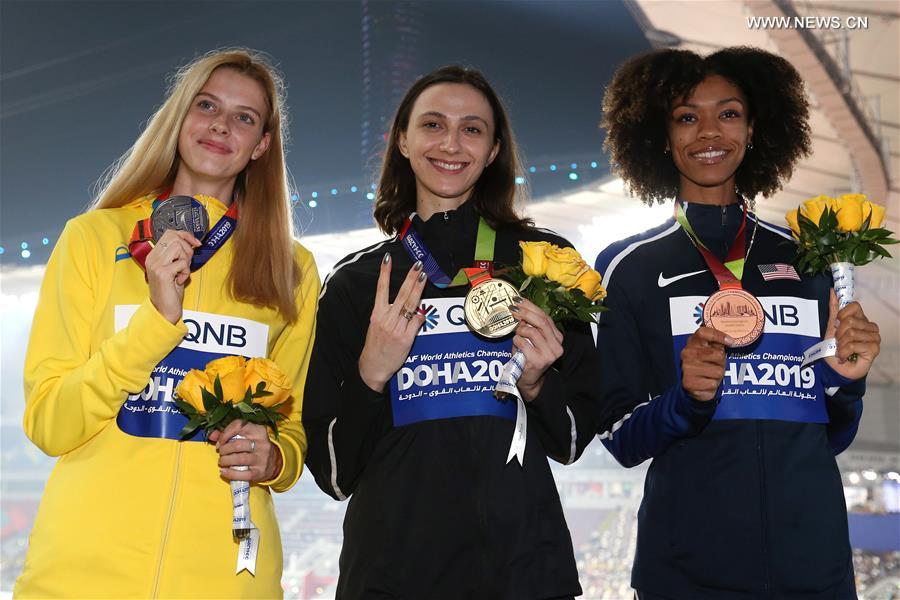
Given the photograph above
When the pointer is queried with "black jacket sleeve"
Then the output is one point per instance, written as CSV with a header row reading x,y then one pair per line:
x,y
567,411
343,417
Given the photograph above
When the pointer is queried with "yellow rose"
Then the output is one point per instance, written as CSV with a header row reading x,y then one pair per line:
x,y
589,283
877,212
564,265
265,370
230,370
534,261
189,389
850,212
813,208
793,222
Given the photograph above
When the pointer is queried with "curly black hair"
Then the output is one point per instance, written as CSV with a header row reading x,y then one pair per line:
x,y
638,102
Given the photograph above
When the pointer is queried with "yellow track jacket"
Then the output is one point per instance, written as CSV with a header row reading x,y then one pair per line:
x,y
129,509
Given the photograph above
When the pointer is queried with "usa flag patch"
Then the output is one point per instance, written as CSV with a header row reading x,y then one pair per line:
x,y
778,271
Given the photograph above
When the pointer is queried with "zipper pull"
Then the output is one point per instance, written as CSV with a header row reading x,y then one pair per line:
x,y
724,219
446,215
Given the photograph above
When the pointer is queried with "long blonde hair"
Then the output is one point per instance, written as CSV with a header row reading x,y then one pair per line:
x,y
263,271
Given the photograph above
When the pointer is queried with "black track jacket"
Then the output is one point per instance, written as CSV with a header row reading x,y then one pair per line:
x,y
435,511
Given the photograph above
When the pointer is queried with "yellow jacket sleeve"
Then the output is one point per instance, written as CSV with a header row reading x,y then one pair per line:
x,y
75,384
291,352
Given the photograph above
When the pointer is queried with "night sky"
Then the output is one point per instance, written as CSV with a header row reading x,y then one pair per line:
x,y
79,79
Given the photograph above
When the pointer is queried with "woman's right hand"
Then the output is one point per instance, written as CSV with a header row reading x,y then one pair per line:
x,y
168,268
703,363
392,327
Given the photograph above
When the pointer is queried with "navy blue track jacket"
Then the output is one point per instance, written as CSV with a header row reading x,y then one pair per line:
x,y
743,498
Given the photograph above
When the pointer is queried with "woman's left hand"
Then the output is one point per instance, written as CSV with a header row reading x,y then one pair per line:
x,y
855,334
254,451
540,341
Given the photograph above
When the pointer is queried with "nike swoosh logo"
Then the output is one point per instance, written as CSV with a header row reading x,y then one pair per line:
x,y
664,281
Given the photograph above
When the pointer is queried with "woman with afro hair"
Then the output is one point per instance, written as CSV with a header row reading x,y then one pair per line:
x,y
743,497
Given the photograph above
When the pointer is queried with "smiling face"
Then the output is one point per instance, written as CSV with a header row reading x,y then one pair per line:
x,y
222,131
707,136
449,141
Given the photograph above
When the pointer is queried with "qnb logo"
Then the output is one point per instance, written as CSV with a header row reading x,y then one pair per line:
x,y
221,334
698,313
431,315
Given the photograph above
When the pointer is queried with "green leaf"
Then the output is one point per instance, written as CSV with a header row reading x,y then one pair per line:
x,y
210,402
260,386
217,386
244,407
860,255
189,429
186,408
218,414
525,284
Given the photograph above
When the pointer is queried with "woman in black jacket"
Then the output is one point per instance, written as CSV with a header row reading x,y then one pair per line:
x,y
399,410
743,498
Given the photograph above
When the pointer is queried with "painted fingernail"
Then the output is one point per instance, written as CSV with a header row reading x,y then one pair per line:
x,y
514,309
422,277
518,299
386,259
417,266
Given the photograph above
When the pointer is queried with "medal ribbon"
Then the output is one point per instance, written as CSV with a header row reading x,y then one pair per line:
x,y
141,242
729,273
417,250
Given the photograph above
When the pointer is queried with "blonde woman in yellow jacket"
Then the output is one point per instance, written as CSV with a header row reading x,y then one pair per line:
x,y
130,510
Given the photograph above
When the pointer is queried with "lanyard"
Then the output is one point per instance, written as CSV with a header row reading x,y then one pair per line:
x,y
484,255
729,273
141,241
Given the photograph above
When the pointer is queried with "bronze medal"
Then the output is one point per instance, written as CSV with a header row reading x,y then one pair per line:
x,y
735,312
487,308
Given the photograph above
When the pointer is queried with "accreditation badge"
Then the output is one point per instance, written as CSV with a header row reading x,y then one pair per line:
x,y
737,313
487,305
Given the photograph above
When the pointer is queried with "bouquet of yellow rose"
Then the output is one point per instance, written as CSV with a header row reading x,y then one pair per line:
x,y
558,281
838,234
228,389
231,388
561,284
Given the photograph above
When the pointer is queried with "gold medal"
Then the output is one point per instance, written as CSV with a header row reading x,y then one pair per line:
x,y
737,313
487,308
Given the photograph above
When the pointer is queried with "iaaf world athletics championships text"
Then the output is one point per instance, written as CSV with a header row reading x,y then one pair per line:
x,y
808,22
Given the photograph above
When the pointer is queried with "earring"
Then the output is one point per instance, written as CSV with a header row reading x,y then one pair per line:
x,y
750,146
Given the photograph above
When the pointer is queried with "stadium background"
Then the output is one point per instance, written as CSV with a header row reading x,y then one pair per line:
x,y
76,89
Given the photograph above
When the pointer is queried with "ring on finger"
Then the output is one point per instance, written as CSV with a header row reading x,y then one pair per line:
x,y
252,446
407,314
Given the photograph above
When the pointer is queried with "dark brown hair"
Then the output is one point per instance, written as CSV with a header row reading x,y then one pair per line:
x,y
495,194
638,102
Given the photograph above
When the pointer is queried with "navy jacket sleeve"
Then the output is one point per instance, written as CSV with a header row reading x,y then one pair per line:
x,y
343,417
843,400
638,426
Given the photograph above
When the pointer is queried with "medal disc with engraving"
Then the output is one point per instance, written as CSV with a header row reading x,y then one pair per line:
x,y
487,308
737,313
182,213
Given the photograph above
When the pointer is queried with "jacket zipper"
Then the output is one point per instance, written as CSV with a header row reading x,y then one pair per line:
x,y
162,546
763,511
176,477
